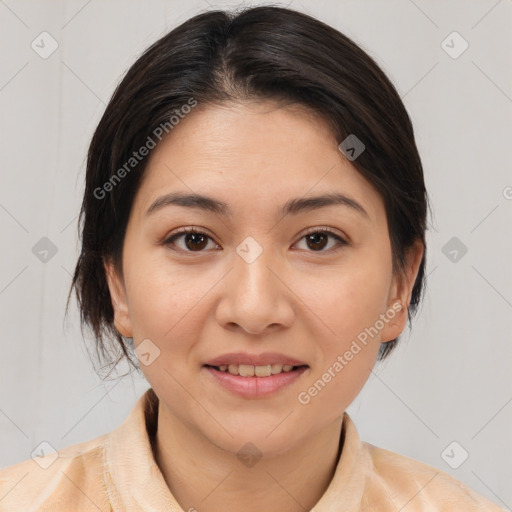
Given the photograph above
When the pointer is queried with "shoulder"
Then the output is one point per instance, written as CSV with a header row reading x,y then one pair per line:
x,y
70,478
406,481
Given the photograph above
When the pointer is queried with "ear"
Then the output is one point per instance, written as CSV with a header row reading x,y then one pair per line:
x,y
400,293
119,302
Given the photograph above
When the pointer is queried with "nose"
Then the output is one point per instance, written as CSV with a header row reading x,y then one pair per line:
x,y
255,296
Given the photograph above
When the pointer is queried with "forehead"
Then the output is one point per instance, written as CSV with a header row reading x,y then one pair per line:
x,y
252,153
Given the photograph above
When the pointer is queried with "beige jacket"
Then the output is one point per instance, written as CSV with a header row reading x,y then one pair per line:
x,y
117,472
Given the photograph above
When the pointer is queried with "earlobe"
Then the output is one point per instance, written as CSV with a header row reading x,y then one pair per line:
x,y
119,303
396,317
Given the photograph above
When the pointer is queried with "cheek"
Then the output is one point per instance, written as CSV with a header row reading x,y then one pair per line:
x,y
155,293
350,304
348,298
166,299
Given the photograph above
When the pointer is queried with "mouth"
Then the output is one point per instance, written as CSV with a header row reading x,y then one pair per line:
x,y
253,382
260,371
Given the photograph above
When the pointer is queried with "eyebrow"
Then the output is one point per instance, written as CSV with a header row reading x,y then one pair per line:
x,y
291,207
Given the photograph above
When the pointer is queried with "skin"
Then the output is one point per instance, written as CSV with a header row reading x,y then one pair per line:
x,y
295,298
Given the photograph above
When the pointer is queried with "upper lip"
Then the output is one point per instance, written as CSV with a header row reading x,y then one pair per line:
x,y
254,359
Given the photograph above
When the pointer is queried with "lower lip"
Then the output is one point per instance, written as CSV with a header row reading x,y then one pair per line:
x,y
254,387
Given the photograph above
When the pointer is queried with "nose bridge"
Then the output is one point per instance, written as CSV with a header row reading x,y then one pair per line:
x,y
254,297
253,262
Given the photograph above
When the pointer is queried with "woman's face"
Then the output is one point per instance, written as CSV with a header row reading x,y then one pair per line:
x,y
253,281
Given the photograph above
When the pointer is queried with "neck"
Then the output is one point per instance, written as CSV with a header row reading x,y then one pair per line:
x,y
203,476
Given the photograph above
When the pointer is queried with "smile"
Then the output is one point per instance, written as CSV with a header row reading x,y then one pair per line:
x,y
249,370
250,381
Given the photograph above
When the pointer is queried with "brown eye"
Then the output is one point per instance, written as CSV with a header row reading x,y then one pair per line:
x,y
317,240
193,240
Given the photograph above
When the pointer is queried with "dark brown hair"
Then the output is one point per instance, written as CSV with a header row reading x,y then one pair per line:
x,y
260,53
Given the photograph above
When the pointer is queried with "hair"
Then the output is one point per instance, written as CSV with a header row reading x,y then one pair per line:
x,y
250,55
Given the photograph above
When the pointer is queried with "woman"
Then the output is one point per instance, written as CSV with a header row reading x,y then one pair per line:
x,y
254,233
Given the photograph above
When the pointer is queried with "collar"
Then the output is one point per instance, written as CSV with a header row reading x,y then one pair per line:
x,y
135,481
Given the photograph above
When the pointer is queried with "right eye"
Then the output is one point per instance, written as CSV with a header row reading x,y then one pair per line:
x,y
194,240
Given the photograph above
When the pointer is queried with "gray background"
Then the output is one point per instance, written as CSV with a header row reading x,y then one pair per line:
x,y
450,378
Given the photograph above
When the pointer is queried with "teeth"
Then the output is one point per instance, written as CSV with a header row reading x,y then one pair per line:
x,y
248,370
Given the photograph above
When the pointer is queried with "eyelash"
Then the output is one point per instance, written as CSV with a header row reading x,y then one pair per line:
x,y
340,242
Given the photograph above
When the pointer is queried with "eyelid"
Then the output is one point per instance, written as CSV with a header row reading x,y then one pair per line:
x,y
325,229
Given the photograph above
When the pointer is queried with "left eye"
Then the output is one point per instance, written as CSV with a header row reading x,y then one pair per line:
x,y
196,241
317,239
